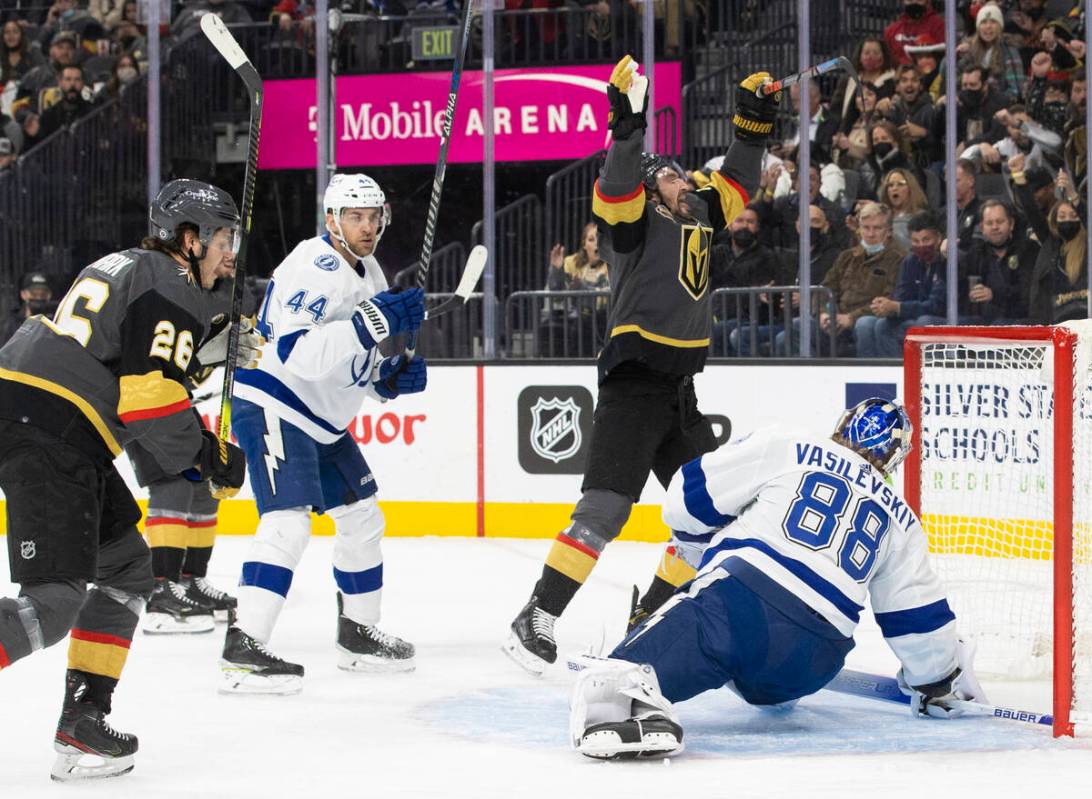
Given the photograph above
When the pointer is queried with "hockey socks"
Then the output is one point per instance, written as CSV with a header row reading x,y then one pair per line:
x,y
569,563
167,538
200,536
671,573
99,641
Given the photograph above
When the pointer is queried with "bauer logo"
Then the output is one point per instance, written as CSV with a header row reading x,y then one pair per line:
x,y
554,429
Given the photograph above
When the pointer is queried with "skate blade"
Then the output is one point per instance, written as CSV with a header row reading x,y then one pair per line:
x,y
166,624
526,660
239,680
351,661
608,745
73,765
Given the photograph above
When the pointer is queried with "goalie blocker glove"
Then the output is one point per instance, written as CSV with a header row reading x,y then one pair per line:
x,y
934,700
387,314
221,463
627,93
399,376
754,117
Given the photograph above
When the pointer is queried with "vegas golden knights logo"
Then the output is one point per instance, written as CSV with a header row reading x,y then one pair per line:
x,y
694,259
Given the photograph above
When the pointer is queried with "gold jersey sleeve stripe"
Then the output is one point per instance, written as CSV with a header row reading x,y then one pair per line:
x,y
656,337
64,393
733,198
150,395
617,210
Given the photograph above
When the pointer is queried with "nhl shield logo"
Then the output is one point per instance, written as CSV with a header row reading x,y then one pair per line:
x,y
555,428
28,549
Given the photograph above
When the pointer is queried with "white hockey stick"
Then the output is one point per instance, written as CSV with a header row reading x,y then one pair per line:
x,y
472,273
886,689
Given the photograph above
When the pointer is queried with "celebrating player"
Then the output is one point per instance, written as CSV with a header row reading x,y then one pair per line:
x,y
325,312
789,533
655,233
109,368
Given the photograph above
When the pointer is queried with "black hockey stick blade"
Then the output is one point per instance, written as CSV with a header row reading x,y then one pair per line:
x,y
472,273
839,63
217,33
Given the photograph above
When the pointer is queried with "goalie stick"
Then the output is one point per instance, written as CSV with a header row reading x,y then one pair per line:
x,y
886,689
217,33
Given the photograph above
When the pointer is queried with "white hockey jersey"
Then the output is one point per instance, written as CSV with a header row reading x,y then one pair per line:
x,y
314,371
819,520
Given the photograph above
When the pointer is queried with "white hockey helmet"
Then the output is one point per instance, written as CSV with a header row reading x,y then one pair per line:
x,y
355,191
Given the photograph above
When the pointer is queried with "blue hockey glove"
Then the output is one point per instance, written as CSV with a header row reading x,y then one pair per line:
x,y
387,314
399,376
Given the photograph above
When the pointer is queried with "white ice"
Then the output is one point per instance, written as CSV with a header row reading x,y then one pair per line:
x,y
468,723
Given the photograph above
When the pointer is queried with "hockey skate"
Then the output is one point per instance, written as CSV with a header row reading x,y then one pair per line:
x,y
646,736
531,643
250,668
171,610
87,747
367,648
203,592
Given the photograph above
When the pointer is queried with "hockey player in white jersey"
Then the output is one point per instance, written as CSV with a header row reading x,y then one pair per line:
x,y
325,312
789,534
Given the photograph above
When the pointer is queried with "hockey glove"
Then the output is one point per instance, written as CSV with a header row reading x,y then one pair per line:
x,y
214,351
934,700
399,376
627,93
387,314
755,115
221,463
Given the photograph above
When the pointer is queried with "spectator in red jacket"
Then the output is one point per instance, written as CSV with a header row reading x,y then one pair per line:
x,y
918,19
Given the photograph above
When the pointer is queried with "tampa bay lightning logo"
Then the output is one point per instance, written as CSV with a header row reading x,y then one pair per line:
x,y
326,262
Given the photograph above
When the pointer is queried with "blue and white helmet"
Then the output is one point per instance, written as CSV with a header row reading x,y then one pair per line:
x,y
880,428
354,191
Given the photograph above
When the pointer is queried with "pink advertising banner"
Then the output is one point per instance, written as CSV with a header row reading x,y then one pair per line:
x,y
539,114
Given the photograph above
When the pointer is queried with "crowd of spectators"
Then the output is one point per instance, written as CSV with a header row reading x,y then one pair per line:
x,y
877,204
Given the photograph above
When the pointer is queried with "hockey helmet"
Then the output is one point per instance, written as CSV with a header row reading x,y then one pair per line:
x,y
355,191
877,428
203,205
652,164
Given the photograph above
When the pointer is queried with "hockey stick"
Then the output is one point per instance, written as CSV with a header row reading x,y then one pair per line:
x,y
841,62
221,38
472,272
886,689
441,161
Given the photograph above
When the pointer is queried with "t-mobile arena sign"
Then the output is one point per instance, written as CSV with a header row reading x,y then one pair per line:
x,y
539,114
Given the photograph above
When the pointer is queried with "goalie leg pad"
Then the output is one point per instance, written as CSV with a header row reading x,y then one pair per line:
x,y
610,695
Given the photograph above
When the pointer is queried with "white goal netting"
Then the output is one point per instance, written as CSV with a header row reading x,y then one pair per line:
x,y
988,479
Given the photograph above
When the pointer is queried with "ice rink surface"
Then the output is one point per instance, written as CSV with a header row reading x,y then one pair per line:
x,y
468,723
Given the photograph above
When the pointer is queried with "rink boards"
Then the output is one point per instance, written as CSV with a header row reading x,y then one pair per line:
x,y
499,450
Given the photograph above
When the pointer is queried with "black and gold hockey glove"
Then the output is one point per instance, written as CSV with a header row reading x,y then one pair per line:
x,y
628,96
221,463
755,115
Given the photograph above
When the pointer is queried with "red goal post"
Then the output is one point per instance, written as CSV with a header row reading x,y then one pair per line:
x,y
991,475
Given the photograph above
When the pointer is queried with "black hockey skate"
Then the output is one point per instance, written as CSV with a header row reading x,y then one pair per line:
x,y
250,668
646,736
171,610
367,648
87,747
531,643
203,592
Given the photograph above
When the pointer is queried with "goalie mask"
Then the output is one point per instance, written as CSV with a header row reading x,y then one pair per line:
x,y
879,429
354,191
196,203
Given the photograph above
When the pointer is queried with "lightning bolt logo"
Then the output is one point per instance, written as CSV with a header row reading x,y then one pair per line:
x,y
274,449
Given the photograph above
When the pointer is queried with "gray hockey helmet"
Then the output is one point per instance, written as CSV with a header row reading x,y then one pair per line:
x,y
202,205
652,164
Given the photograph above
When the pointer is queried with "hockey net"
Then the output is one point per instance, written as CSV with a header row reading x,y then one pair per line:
x,y
1001,475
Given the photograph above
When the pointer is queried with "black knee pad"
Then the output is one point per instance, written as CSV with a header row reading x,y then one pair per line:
x,y
57,605
125,564
603,513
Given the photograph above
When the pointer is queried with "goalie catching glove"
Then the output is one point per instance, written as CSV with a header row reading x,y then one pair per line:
x,y
628,95
935,699
221,463
387,314
399,376
754,117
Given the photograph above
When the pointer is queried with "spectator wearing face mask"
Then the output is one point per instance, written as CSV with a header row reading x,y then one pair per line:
x,y
918,19
875,68
988,48
125,72
978,103
911,110
824,249
888,150
35,296
995,271
919,298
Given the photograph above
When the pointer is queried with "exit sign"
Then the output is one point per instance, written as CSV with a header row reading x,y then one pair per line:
x,y
434,44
